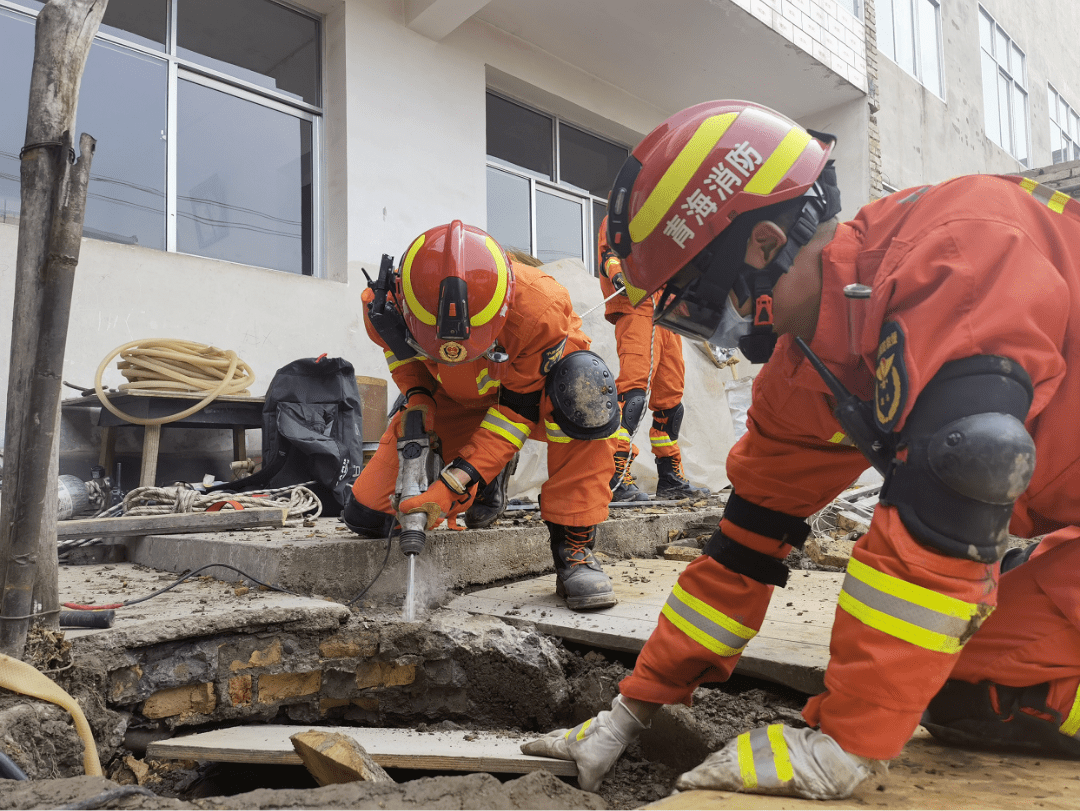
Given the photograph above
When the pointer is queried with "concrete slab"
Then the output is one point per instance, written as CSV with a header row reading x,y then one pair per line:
x,y
456,751
792,647
329,560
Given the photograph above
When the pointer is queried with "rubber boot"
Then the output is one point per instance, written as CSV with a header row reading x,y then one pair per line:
x,y
490,501
672,484
989,715
623,486
578,577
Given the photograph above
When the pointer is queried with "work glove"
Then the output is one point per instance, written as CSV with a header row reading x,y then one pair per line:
x,y
594,745
619,283
780,760
418,400
437,501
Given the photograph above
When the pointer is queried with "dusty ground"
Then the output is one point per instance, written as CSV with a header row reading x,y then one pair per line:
x,y
41,739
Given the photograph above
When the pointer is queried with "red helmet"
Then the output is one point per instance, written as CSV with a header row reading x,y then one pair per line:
x,y
454,287
689,180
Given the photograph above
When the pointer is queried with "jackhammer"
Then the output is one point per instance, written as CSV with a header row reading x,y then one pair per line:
x,y
418,466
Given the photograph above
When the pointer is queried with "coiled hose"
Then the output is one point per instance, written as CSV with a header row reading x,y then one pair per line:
x,y
174,366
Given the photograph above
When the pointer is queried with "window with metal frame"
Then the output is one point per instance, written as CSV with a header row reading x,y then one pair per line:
x,y
1005,97
909,33
547,182
207,115
1064,128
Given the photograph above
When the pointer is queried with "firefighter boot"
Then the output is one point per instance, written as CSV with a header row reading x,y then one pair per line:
x,y
623,486
989,715
579,578
671,483
490,501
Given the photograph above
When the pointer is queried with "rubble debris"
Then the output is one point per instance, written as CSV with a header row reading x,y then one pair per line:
x,y
335,758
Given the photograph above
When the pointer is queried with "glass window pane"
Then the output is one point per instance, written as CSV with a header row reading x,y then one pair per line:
x,y
991,113
1074,128
1051,100
986,32
16,62
599,210
1006,118
929,67
558,228
885,28
1055,144
509,211
144,22
254,40
1016,65
905,36
519,136
244,181
122,104
1019,120
1001,48
588,162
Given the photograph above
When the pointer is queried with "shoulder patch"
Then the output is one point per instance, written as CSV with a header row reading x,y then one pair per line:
x,y
891,383
551,356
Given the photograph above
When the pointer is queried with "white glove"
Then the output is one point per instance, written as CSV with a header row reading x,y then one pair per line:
x,y
594,745
784,761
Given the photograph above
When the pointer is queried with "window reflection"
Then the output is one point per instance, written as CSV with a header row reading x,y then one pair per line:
x,y
244,176
558,228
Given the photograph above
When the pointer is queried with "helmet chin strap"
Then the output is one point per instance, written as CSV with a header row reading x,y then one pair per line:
x,y
822,204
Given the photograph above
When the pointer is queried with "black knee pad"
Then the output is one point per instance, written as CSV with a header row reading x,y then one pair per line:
x,y
964,457
366,521
669,420
633,407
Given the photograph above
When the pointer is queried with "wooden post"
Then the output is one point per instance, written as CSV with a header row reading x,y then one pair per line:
x,y
50,232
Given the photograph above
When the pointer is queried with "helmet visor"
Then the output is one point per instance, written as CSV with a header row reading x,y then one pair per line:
x,y
691,304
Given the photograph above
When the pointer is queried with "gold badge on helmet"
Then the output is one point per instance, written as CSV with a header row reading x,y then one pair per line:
x,y
452,352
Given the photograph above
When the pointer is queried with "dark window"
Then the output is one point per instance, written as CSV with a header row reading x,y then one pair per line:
x,y
588,162
519,136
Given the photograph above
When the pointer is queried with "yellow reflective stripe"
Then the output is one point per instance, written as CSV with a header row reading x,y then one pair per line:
x,y
513,432
662,441
555,433
485,382
609,262
1071,726
411,301
901,629
746,761
772,171
583,729
932,600
837,437
1055,201
781,760
678,174
394,363
621,433
503,279
705,625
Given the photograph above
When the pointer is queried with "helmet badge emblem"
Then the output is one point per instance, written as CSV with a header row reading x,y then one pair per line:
x,y
452,352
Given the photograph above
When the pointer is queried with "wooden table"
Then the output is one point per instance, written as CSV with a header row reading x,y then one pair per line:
x,y
228,411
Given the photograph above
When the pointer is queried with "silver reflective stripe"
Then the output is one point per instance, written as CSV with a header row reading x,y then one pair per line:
x,y
904,610
555,433
763,758
708,627
513,432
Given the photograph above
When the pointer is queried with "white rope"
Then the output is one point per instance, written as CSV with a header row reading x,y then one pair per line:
x,y
301,503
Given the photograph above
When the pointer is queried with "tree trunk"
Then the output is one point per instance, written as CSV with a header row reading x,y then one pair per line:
x,y
50,232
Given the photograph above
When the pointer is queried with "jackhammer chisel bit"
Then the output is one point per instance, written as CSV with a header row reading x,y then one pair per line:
x,y
418,466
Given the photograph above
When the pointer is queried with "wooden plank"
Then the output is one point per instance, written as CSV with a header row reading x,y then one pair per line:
x,y
171,524
453,751
792,647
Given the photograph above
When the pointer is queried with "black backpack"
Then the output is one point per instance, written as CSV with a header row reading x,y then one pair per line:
x,y
312,431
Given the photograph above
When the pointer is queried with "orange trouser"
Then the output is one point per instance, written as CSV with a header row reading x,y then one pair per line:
x,y
877,685
576,492
1034,636
636,343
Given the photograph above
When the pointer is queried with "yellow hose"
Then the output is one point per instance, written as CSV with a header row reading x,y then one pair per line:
x,y
19,677
169,365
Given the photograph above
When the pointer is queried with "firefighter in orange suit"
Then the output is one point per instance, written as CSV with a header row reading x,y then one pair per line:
x,y
493,354
934,336
649,360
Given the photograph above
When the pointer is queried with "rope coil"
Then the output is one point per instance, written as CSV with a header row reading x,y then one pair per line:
x,y
174,366
301,503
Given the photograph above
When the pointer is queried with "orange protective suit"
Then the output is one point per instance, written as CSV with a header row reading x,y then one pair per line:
x,y
472,423
642,350
978,265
